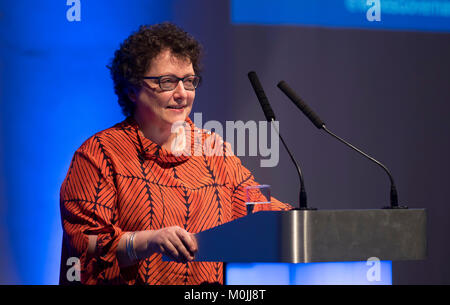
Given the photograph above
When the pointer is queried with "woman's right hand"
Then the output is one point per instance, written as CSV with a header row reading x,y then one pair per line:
x,y
173,242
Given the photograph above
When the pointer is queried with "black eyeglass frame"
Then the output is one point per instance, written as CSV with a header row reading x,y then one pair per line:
x,y
178,80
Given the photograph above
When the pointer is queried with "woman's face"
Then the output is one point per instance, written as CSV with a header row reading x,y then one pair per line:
x,y
163,108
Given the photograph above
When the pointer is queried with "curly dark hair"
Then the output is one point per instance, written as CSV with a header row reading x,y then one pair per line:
x,y
132,60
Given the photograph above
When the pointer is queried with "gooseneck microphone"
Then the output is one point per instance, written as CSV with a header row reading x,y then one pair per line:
x,y
270,116
321,125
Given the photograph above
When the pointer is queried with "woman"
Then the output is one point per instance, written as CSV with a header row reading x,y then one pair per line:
x,y
142,188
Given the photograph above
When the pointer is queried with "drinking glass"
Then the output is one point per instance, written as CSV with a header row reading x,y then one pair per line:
x,y
257,194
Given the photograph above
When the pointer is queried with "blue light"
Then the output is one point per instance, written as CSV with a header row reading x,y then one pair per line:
x,y
330,273
394,14
258,274
55,93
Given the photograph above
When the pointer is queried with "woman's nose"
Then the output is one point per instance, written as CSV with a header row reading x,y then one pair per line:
x,y
179,91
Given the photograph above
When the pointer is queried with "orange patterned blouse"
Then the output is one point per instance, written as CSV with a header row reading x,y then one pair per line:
x,y
120,181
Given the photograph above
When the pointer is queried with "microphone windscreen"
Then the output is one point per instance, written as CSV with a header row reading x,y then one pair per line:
x,y
301,104
257,87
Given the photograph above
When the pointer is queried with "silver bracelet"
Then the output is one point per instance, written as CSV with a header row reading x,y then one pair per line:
x,y
130,248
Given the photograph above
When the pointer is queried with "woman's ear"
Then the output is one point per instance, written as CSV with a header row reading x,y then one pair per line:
x,y
132,94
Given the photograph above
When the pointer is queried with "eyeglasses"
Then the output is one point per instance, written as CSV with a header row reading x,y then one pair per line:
x,y
170,82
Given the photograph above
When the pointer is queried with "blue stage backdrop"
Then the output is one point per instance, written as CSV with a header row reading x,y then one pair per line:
x,y
55,92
